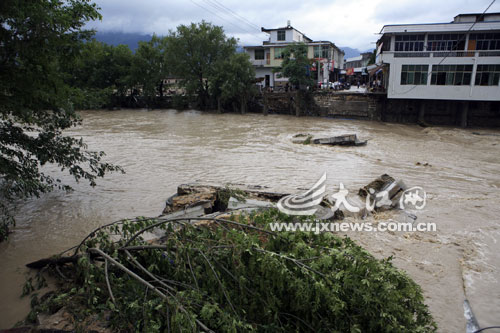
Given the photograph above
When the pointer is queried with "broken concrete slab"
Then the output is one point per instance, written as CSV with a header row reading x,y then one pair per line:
x,y
341,140
382,190
235,204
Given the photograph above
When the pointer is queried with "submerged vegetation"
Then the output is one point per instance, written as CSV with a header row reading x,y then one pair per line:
x,y
232,276
39,40
51,67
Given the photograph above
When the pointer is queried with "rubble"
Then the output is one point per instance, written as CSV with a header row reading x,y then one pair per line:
x,y
341,140
202,249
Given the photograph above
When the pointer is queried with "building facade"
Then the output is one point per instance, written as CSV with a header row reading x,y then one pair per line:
x,y
457,61
356,68
268,56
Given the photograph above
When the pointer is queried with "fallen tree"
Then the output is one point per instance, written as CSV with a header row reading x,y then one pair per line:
x,y
231,275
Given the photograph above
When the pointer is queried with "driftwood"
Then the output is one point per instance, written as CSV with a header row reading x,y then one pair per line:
x,y
39,264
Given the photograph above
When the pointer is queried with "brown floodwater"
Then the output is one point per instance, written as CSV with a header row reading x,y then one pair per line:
x,y
161,149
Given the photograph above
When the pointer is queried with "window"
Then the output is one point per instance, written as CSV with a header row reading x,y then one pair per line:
x,y
445,42
486,41
414,74
278,52
487,75
451,75
281,35
410,43
321,51
259,54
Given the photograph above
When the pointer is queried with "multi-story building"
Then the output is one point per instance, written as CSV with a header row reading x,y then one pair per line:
x,y
268,56
459,60
355,67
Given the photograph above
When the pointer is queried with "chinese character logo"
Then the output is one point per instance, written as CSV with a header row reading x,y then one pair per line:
x,y
305,203
413,198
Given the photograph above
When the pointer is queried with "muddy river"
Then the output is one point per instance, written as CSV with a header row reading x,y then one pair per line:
x,y
162,149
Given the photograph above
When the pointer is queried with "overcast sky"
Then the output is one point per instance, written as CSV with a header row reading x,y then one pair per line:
x,y
352,23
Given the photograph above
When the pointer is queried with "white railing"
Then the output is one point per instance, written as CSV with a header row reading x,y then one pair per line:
x,y
440,54
260,62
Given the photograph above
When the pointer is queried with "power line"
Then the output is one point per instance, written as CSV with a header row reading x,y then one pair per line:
x,y
455,49
249,23
220,9
464,36
222,18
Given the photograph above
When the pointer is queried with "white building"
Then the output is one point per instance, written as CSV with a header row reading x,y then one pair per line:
x,y
355,67
459,60
267,56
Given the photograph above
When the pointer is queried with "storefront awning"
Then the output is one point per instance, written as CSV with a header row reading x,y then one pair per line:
x,y
376,70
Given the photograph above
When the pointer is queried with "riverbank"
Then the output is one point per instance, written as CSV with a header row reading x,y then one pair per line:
x,y
220,241
349,104
162,148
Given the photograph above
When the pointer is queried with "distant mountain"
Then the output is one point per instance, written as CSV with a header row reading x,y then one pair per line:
x,y
117,38
131,39
350,52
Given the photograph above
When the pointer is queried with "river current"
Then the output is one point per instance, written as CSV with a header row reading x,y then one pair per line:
x,y
161,149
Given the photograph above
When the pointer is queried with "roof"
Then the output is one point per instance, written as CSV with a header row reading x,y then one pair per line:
x,y
289,27
358,58
441,27
446,26
476,14
267,44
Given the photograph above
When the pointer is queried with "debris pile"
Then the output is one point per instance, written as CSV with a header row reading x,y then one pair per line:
x,y
341,140
214,264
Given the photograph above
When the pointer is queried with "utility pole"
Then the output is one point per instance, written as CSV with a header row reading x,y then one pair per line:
x,y
317,70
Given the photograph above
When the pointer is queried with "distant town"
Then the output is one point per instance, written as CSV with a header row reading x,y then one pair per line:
x,y
451,70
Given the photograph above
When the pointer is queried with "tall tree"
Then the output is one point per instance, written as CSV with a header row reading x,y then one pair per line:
x,y
38,39
296,65
234,81
149,67
100,72
193,54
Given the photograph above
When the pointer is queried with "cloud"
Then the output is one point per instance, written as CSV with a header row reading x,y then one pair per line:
x,y
346,23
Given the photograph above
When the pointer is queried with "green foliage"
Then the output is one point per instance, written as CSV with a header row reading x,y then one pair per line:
x,y
179,102
295,65
234,79
194,53
39,39
149,67
226,193
373,57
235,279
99,73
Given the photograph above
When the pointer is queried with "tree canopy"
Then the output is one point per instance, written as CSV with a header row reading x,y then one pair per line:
x,y
149,67
38,40
296,65
195,53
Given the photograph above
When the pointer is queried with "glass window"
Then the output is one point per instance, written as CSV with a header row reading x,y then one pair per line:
x,y
445,42
259,54
321,51
414,74
486,41
410,43
451,75
278,52
281,35
487,75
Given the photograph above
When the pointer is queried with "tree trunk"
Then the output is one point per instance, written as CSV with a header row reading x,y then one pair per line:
x,y
160,88
219,106
243,104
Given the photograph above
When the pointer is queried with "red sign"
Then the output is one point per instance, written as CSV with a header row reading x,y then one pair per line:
x,y
349,71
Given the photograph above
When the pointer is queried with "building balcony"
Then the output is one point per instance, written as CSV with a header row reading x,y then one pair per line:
x,y
441,54
261,63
